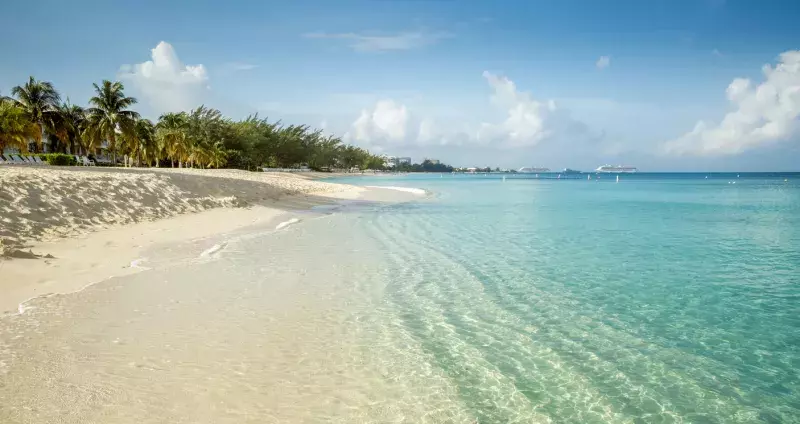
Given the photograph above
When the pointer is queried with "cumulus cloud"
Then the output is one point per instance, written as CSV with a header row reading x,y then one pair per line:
x,y
603,62
377,43
165,82
527,122
763,114
386,122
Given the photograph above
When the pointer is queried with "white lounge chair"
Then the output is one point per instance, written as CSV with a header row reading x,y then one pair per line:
x,y
39,161
2,161
18,160
31,160
86,161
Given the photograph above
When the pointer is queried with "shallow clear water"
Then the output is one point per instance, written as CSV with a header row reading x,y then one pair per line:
x,y
655,299
659,298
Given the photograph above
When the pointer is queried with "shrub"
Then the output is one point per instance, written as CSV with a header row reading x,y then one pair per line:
x,y
59,159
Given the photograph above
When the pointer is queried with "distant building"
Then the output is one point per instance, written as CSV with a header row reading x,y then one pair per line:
x,y
389,161
394,161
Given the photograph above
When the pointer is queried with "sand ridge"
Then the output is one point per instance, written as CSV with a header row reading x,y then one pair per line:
x,y
47,204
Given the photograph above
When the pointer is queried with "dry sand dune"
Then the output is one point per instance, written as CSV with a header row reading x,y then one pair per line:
x,y
47,204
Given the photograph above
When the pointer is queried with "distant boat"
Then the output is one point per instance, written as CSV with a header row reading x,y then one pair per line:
x,y
616,169
529,170
568,171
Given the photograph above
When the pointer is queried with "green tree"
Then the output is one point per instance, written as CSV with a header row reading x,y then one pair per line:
x,y
15,127
172,134
72,122
39,100
141,142
109,118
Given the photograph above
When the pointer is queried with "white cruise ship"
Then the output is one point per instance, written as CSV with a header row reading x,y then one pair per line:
x,y
529,170
616,169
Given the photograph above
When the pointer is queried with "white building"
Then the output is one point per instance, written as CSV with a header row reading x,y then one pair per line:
x,y
394,161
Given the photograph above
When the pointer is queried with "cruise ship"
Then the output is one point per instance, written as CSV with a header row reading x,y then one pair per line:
x,y
616,169
529,170
568,171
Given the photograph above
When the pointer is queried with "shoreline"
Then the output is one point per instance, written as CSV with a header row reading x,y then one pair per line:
x,y
87,256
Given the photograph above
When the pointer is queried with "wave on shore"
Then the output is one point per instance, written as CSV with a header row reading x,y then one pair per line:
x,y
417,191
285,224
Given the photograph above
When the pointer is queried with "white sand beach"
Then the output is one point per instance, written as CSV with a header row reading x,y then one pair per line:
x,y
179,295
88,225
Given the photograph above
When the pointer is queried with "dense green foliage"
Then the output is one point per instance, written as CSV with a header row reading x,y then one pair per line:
x,y
59,159
202,137
426,166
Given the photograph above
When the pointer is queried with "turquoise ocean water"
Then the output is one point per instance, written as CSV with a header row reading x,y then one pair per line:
x,y
661,298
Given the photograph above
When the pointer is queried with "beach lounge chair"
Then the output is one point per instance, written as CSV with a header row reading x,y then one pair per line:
x,y
31,160
18,160
86,161
39,161
2,161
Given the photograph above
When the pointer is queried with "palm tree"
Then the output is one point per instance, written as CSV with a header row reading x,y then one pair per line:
x,y
142,144
109,117
173,137
72,121
15,128
39,100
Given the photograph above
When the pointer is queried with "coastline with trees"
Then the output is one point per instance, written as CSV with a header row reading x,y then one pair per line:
x,y
35,119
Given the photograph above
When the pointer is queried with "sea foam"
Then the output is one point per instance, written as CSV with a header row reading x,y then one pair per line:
x,y
417,191
285,224
212,250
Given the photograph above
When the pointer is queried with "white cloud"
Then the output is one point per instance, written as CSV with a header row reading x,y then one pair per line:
x,y
603,62
427,131
762,115
386,122
376,43
165,82
527,120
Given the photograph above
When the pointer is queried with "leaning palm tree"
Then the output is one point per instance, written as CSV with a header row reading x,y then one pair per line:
x,y
109,117
39,100
15,128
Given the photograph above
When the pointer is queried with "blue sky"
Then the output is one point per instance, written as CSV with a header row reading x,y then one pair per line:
x,y
506,83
